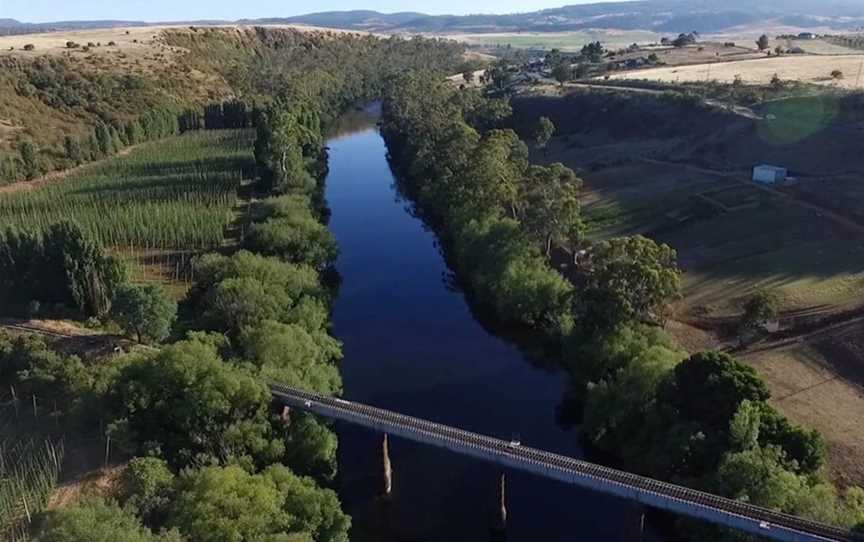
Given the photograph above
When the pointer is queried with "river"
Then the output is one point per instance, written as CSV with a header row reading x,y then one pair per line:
x,y
412,345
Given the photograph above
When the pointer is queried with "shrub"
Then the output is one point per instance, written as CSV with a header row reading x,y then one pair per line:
x,y
298,239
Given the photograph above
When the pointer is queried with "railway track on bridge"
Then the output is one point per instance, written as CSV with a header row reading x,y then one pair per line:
x,y
650,492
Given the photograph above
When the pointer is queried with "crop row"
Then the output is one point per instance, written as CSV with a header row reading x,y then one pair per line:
x,y
179,193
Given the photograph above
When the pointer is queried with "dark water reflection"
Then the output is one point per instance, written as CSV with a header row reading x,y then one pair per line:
x,y
412,345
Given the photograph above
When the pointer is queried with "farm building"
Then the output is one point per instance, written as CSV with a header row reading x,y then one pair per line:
x,y
769,174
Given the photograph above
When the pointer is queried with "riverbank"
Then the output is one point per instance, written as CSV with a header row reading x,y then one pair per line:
x,y
411,344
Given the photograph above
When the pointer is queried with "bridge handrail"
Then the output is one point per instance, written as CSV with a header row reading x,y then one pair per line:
x,y
568,464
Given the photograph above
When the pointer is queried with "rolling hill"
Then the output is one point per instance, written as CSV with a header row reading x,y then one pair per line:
x,y
666,16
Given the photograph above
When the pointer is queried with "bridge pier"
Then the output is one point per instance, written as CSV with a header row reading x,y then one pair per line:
x,y
635,530
499,519
386,468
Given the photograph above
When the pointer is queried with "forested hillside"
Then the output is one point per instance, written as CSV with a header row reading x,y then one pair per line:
x,y
67,107
700,419
190,445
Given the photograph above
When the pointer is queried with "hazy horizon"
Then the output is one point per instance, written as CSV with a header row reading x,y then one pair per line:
x,y
154,11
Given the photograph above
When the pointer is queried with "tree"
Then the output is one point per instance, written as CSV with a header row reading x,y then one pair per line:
x,y
219,504
554,57
543,132
468,76
72,147
760,308
758,477
246,289
147,485
805,449
104,139
744,426
236,303
29,159
494,174
684,40
562,73
148,311
296,239
189,405
551,211
836,74
618,411
593,52
95,521
291,355
709,387
500,75
90,277
627,279
763,42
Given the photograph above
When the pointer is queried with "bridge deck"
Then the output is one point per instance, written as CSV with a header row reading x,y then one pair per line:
x,y
666,496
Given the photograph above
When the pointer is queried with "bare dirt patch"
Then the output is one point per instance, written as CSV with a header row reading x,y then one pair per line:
x,y
100,482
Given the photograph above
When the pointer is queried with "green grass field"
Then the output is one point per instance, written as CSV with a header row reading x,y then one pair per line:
x,y
570,41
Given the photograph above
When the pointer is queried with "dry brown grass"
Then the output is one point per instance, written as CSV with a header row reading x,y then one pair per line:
x,y
803,68
807,388
707,52
102,482
134,41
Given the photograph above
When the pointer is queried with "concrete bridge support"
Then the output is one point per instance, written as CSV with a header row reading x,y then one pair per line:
x,y
386,467
499,519
635,523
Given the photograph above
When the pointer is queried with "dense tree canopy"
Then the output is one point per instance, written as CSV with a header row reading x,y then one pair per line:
x,y
627,279
96,521
60,266
234,292
218,504
189,405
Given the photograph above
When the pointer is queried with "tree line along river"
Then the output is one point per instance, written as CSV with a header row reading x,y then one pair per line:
x,y
412,345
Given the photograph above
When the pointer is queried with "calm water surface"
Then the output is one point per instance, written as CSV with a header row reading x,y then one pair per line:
x,y
412,345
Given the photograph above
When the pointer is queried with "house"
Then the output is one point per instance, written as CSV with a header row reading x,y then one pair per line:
x,y
769,174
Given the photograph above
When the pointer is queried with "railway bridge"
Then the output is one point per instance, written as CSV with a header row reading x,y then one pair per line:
x,y
645,491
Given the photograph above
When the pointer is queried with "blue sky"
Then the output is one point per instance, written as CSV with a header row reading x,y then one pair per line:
x,y
162,10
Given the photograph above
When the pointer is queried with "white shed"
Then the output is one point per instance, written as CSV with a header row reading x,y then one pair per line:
x,y
769,174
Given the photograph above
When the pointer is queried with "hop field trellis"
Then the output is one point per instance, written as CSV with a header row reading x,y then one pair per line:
x,y
29,470
179,193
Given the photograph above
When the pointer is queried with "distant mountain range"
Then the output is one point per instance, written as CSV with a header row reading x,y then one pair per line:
x,y
658,15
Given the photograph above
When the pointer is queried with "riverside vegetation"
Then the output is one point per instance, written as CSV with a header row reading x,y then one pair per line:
x,y
699,419
194,417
